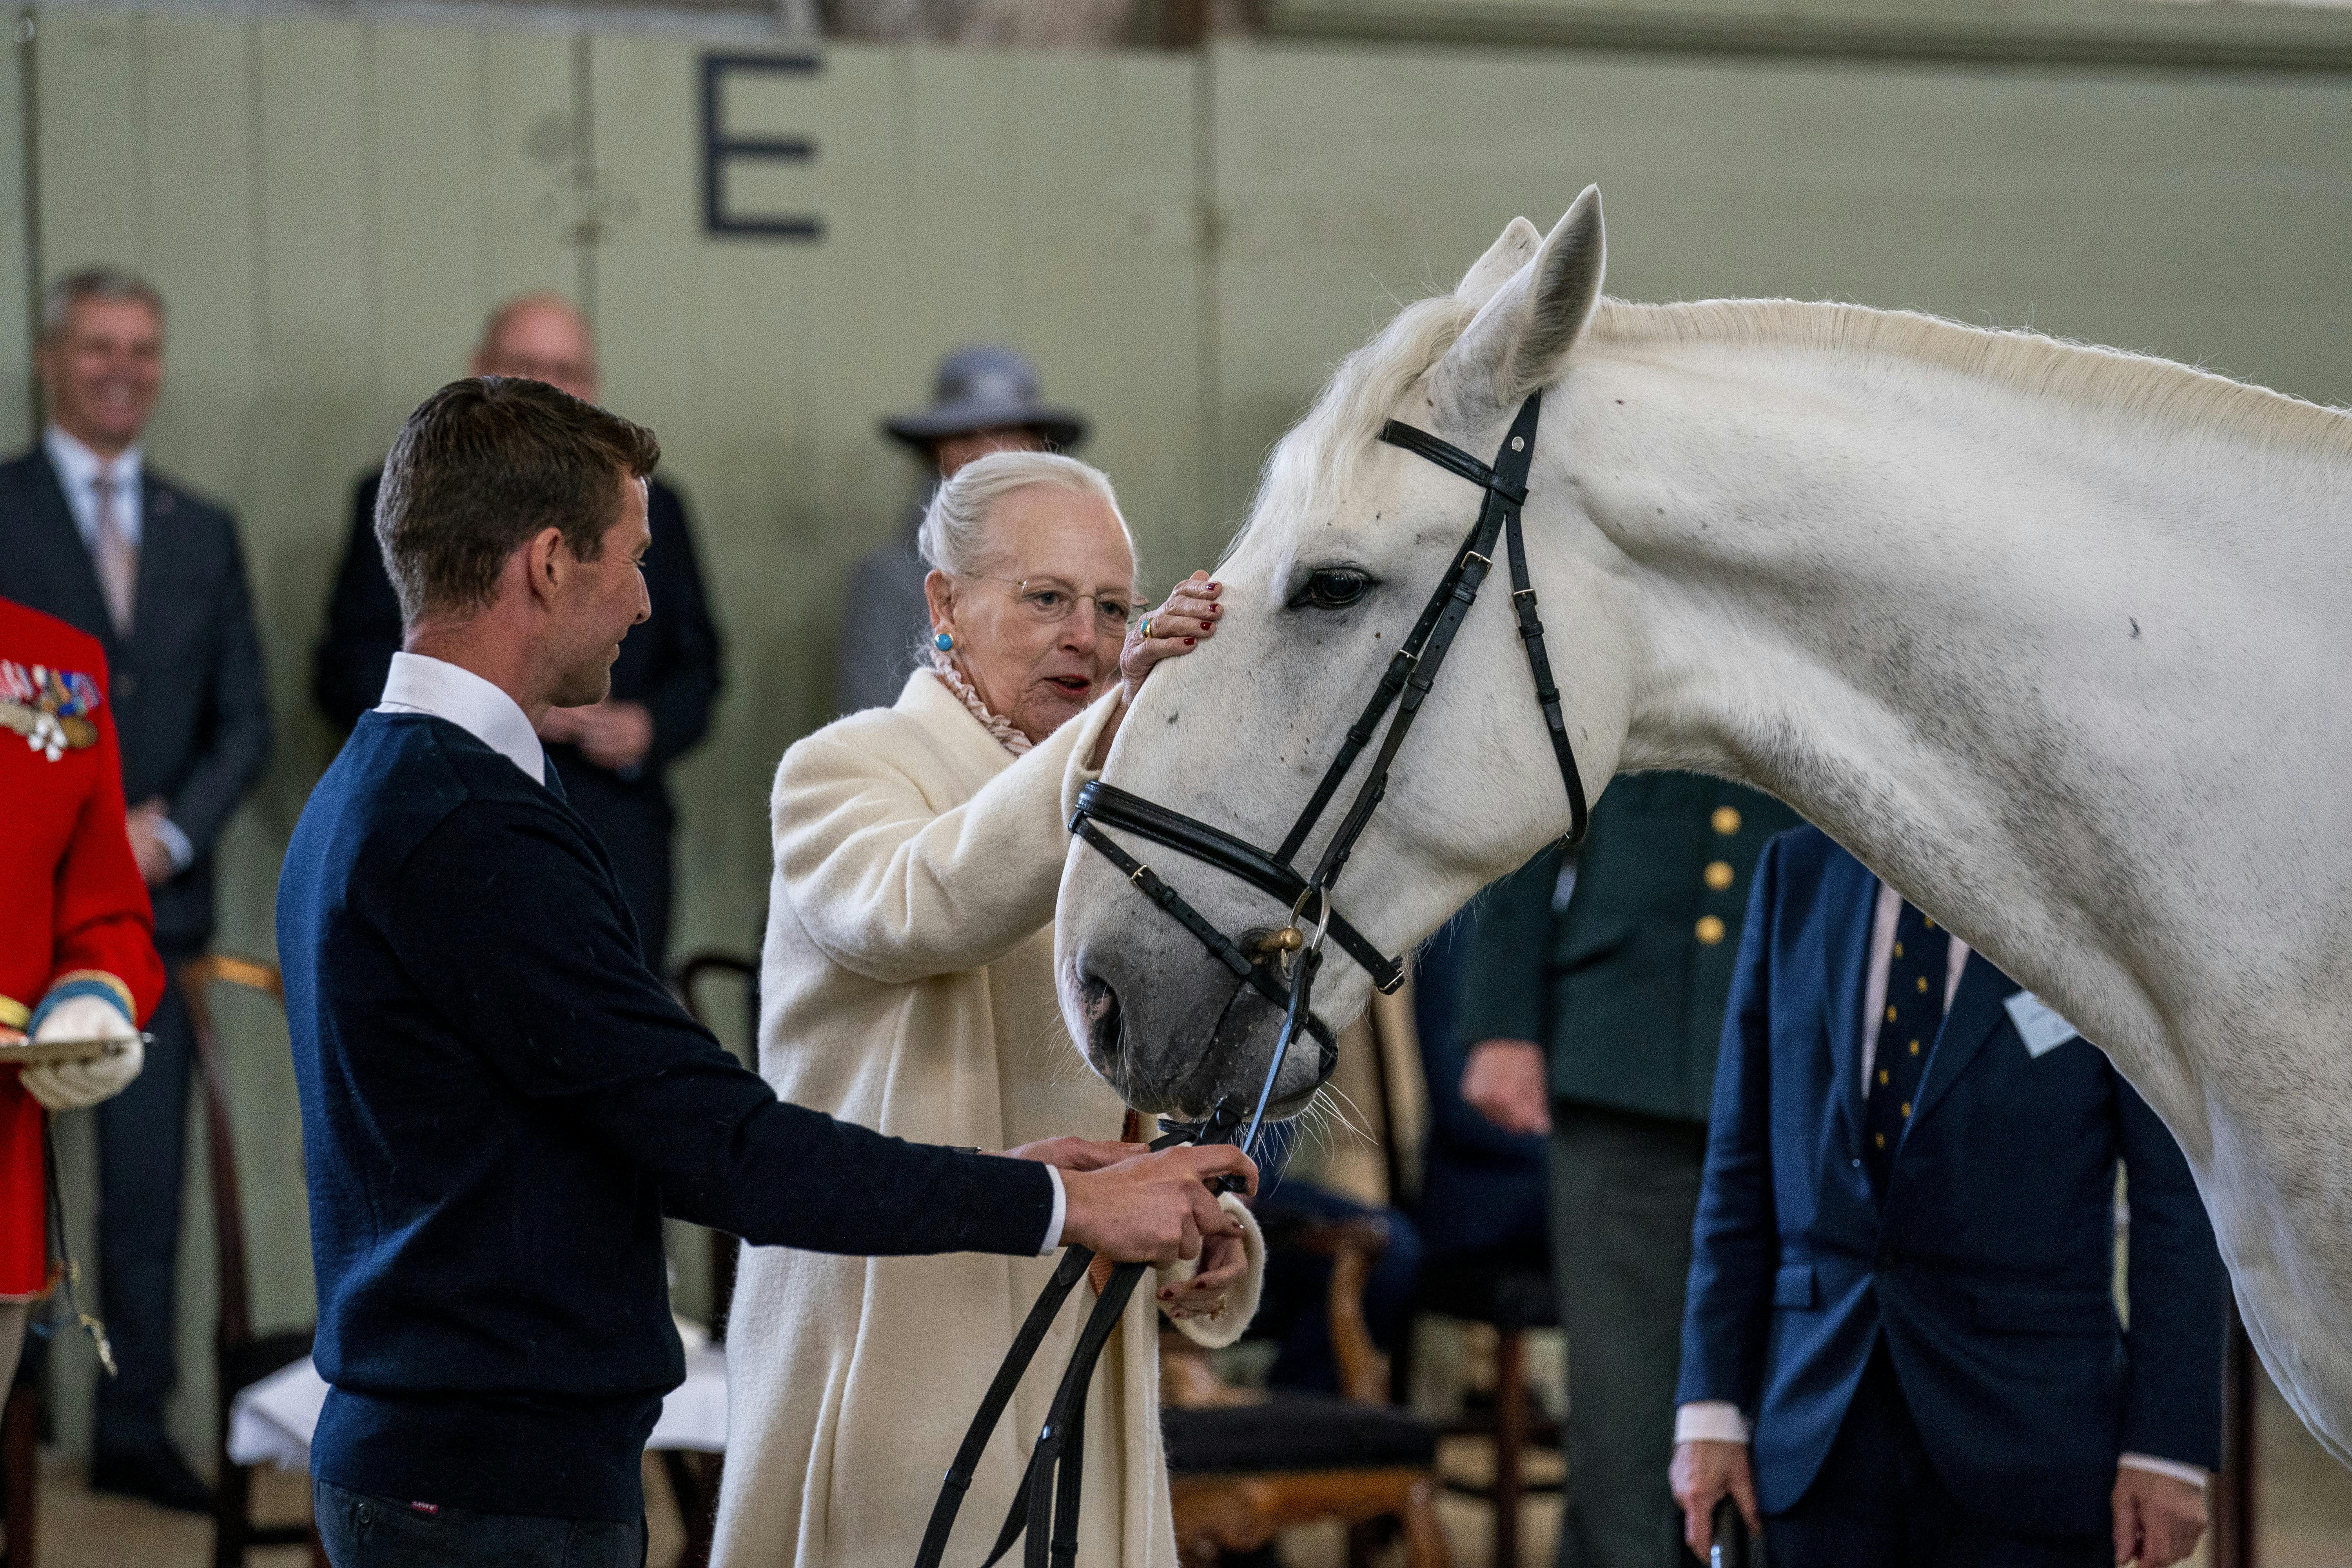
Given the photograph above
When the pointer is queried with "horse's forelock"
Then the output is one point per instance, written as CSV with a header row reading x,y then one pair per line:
x,y
1310,467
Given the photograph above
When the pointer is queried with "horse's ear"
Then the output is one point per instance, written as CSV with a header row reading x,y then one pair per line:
x,y
1520,338
1503,258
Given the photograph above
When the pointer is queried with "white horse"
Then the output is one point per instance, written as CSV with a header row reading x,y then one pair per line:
x,y
2052,637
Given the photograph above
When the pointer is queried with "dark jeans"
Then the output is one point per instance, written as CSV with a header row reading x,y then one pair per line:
x,y
1624,1188
364,1531
1878,1503
143,1165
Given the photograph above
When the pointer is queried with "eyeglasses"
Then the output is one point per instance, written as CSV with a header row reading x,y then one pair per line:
x,y
1049,601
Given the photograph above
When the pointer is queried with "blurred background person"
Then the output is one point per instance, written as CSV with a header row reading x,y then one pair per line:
x,y
612,755
985,399
92,534
1593,996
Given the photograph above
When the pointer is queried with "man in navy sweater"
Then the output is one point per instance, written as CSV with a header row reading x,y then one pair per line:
x,y
1901,1344
501,1101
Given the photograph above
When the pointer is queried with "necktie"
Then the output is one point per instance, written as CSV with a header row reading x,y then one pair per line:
x,y
118,558
1916,976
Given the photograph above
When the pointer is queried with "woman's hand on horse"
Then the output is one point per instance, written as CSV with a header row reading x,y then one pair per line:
x,y
1078,1153
1176,627
1154,1208
1190,614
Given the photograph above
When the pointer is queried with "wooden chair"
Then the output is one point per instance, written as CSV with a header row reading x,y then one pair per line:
x,y
1242,1467
240,1356
694,1478
1513,1301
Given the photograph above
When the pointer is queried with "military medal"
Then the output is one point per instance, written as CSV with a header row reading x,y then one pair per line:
x,y
50,708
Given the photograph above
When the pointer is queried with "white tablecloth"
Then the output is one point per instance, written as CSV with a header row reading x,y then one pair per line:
x,y
270,1422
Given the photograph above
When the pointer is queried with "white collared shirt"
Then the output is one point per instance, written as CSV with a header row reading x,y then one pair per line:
x,y
1721,1421
78,467
418,683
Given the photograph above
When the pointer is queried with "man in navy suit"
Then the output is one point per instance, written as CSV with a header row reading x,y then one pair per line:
x,y
1901,1297
92,534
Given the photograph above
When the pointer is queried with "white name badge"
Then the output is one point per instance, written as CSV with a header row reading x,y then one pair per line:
x,y
2038,1024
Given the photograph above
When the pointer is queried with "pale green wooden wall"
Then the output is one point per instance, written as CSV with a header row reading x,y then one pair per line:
x,y
1182,242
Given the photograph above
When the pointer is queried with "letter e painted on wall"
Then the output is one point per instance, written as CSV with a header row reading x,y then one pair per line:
x,y
744,154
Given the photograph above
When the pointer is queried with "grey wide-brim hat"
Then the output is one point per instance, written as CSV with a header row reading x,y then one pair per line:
x,y
986,387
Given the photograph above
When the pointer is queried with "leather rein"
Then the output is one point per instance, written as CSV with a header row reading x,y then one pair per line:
x,y
1281,967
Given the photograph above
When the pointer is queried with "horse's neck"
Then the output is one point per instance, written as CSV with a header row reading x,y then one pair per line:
x,y
2055,677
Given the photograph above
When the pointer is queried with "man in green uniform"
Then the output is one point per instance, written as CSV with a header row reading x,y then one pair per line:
x,y
1594,994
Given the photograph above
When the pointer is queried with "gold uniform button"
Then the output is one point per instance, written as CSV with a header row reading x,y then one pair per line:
x,y
1907,1107
1890,1014
1710,930
1915,1045
1726,820
1882,1075
1718,874
1923,985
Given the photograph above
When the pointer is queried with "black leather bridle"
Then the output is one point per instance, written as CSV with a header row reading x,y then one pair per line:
x,y
1281,967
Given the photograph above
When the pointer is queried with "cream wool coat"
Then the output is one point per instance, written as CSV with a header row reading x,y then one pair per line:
x,y
908,984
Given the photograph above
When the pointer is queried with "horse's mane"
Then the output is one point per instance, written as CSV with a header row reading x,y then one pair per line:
x,y
2135,385
1313,461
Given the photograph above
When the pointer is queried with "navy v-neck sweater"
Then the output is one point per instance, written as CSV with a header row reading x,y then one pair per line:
x,y
499,1103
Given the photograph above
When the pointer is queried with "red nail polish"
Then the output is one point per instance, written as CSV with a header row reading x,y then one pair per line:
x,y
1190,641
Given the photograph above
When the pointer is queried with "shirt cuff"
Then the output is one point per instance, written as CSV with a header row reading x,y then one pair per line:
x,y
176,844
1709,1421
1053,1242
2195,1475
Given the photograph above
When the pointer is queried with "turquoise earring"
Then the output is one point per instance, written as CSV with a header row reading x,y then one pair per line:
x,y
942,642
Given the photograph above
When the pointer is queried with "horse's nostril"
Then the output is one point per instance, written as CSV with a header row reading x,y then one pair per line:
x,y
1100,1005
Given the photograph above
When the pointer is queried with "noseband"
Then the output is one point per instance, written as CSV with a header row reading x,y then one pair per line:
x,y
1282,968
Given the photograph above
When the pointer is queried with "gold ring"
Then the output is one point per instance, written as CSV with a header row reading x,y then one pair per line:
x,y
1147,627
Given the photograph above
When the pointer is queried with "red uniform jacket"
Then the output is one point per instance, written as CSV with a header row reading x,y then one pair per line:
x,y
71,898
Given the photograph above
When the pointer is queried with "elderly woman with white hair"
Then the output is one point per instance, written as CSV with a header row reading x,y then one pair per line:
x,y
908,984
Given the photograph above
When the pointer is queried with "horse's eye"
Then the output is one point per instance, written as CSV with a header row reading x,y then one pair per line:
x,y
1332,588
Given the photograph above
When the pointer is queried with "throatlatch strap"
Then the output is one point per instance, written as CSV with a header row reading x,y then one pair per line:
x,y
1531,636
1506,485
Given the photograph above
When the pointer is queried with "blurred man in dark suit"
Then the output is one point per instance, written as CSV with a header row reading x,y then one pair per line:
x,y
1901,1344
611,755
92,534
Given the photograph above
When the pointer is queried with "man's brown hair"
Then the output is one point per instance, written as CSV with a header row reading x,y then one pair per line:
x,y
480,467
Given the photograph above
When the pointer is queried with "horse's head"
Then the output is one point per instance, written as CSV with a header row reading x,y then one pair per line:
x,y
1345,544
